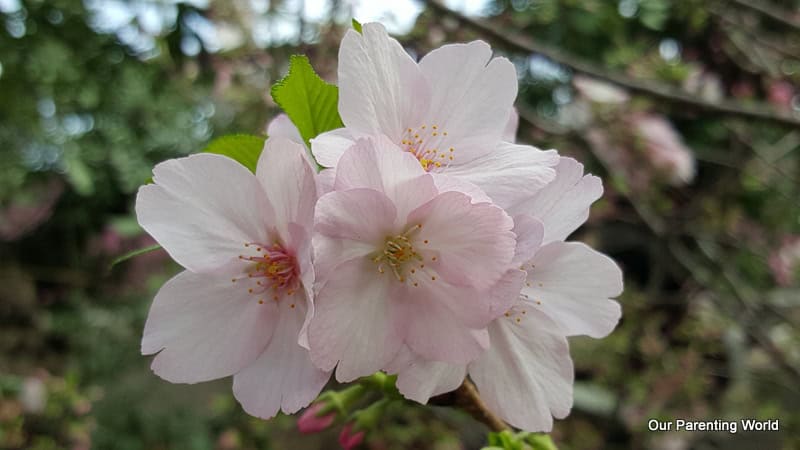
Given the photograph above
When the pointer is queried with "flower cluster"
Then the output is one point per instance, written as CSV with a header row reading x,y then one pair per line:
x,y
430,246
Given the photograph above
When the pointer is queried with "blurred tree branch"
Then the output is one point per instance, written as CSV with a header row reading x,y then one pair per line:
x,y
771,11
645,87
707,270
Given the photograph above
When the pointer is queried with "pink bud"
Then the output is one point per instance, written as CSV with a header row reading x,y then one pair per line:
x,y
349,440
309,422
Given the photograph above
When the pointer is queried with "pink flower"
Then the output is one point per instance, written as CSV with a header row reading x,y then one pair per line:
x,y
312,421
349,440
526,375
401,262
239,307
450,111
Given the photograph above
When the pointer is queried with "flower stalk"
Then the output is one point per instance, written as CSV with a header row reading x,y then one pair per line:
x,y
467,398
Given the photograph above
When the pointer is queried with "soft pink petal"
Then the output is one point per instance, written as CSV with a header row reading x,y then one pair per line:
x,y
328,147
434,334
325,180
510,132
199,215
573,284
282,378
282,126
562,205
472,97
509,174
363,215
526,376
447,183
330,252
381,89
300,241
401,361
424,379
505,292
473,243
355,323
205,327
378,164
289,183
530,232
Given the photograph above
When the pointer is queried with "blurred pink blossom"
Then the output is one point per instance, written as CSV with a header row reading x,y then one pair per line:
x,y
785,261
781,93
665,148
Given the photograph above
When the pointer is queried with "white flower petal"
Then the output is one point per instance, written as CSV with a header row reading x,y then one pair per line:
x,y
562,205
574,284
510,132
381,89
435,334
472,97
200,217
460,234
424,379
530,232
207,326
282,378
289,183
328,147
526,376
447,183
282,126
509,174
363,215
355,323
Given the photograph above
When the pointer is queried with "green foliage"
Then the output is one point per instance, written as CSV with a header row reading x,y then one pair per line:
x,y
356,25
243,148
308,100
507,440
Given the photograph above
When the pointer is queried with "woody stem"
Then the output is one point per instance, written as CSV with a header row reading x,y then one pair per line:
x,y
467,397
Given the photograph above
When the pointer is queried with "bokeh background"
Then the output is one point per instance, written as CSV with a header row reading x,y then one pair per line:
x,y
688,109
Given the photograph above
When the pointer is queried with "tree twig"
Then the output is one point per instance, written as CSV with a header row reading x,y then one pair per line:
x,y
645,87
468,398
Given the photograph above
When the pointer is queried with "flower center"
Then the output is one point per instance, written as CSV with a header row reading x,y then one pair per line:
x,y
274,269
397,252
424,143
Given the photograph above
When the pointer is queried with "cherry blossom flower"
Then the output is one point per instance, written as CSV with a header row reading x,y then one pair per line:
x,y
400,262
526,375
241,304
450,112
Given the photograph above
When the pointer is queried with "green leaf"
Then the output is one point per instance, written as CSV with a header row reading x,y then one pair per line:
x,y
133,254
244,148
539,441
508,440
307,99
357,25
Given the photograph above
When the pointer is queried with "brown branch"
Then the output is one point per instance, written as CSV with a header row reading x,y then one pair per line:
x,y
645,87
771,11
467,397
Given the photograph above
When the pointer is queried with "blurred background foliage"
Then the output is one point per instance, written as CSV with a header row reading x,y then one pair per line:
x,y
688,109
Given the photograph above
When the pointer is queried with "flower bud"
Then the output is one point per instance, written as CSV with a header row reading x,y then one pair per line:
x,y
350,440
315,419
